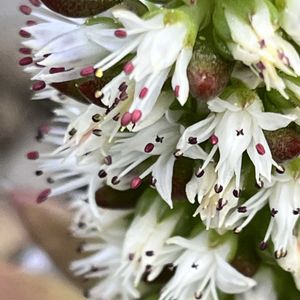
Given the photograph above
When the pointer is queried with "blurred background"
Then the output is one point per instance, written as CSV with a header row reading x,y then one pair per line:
x,y
35,244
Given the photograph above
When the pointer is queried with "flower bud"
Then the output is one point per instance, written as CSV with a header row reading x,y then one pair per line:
x,y
284,144
208,72
80,8
89,8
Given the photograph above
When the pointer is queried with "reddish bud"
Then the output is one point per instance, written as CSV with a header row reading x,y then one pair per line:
x,y
208,73
284,144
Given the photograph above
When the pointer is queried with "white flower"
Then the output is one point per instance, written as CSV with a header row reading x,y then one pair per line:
x,y
282,194
145,242
258,45
201,270
158,46
104,242
156,141
263,290
160,40
290,16
65,48
233,127
213,207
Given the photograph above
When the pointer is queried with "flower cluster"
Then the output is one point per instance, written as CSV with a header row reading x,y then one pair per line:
x,y
168,111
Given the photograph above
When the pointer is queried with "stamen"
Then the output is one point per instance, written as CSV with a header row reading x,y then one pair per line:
x,y
24,33
263,245
262,43
31,23
96,118
143,92
33,155
176,91
72,132
280,170
97,132
128,68
178,153
87,71
135,183
115,180
120,33
26,10
242,209
25,61
218,188
102,174
136,116
36,3
123,96
214,139
260,149
296,211
39,173
236,193
126,119
43,196
149,148
131,256
108,160
38,85
149,253
99,73
199,173
26,51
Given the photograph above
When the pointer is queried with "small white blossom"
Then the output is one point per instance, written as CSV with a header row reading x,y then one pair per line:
x,y
282,194
201,270
258,45
233,127
213,207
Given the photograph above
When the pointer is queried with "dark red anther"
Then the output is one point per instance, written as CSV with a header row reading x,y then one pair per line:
x,y
43,196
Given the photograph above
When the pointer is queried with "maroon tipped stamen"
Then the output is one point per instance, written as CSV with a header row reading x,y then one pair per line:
x,y
126,119
143,92
25,61
87,71
38,85
33,155
128,68
176,90
136,116
260,149
43,196
24,9
31,23
120,33
149,148
25,34
214,139
135,183
26,51
36,3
